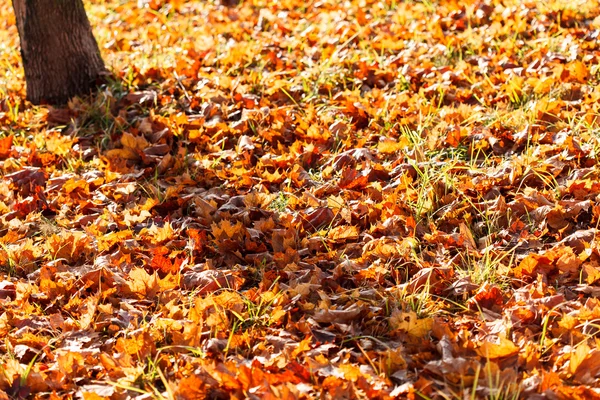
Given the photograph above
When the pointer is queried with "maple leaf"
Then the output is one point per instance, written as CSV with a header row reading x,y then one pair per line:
x,y
142,283
410,323
342,232
488,296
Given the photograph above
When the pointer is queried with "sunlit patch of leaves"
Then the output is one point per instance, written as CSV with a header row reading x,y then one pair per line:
x,y
307,200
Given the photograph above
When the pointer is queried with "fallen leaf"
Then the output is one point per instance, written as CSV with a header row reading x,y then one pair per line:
x,y
498,347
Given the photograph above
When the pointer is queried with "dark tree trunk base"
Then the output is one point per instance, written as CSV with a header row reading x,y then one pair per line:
x,y
60,54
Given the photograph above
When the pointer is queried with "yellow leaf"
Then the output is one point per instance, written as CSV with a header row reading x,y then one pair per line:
x,y
159,234
133,142
92,396
389,146
410,323
303,346
142,283
578,356
106,241
351,372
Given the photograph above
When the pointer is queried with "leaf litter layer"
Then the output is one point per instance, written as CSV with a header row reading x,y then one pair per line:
x,y
316,199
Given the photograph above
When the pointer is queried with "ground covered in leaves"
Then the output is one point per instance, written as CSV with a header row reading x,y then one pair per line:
x,y
308,199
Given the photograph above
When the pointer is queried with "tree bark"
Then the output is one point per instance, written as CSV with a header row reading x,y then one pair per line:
x,y
60,55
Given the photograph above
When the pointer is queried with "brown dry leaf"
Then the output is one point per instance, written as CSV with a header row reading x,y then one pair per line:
x,y
353,179
7,290
245,143
430,279
140,97
27,179
337,315
313,220
207,281
593,291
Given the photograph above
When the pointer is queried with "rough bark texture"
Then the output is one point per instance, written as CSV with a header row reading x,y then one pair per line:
x,y
60,54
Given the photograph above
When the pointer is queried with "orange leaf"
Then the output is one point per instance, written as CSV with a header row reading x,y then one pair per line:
x,y
343,232
500,348
142,283
6,146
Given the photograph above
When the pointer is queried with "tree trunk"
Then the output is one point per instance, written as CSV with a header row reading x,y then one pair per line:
x,y
60,54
